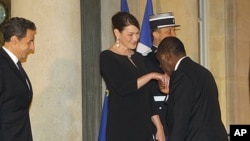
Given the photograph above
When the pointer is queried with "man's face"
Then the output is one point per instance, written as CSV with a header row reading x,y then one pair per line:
x,y
166,62
161,33
166,32
25,45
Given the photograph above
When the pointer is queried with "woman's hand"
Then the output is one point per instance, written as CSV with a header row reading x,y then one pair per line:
x,y
160,135
164,84
141,81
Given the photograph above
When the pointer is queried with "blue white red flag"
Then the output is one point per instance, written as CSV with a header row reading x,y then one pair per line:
x,y
145,44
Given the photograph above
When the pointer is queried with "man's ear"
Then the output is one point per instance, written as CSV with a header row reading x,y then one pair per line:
x,y
167,56
155,34
13,39
163,57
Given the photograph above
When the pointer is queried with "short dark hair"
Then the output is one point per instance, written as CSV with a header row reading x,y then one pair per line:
x,y
17,26
122,19
171,45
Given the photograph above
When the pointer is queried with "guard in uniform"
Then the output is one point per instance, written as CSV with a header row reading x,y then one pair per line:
x,y
162,25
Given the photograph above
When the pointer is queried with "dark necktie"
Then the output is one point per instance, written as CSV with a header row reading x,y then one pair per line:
x,y
23,73
21,70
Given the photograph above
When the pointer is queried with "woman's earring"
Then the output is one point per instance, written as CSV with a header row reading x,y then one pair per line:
x,y
117,42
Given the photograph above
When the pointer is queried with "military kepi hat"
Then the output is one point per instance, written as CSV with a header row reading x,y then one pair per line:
x,y
162,20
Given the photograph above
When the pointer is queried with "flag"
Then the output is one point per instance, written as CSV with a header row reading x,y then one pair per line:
x,y
103,123
124,6
145,43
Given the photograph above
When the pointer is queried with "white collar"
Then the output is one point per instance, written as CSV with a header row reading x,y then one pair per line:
x,y
178,63
12,56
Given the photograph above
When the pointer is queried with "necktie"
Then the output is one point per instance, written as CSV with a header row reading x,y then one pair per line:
x,y
21,70
23,73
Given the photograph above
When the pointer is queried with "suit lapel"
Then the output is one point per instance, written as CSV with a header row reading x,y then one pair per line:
x,y
14,68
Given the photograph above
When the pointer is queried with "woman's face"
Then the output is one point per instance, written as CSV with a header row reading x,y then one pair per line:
x,y
129,37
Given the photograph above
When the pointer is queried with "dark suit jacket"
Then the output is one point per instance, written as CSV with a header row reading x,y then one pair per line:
x,y
153,65
193,112
15,99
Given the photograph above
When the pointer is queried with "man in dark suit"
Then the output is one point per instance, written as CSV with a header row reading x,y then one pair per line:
x,y
15,87
162,25
193,111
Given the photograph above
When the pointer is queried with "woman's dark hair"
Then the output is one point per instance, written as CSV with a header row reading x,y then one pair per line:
x,y
17,27
122,19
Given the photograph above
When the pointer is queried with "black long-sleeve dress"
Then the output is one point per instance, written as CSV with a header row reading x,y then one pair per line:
x,y
130,109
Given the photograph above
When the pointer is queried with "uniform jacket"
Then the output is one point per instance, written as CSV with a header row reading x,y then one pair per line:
x,y
153,65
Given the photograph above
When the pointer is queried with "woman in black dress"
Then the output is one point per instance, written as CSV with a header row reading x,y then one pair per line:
x,y
130,112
